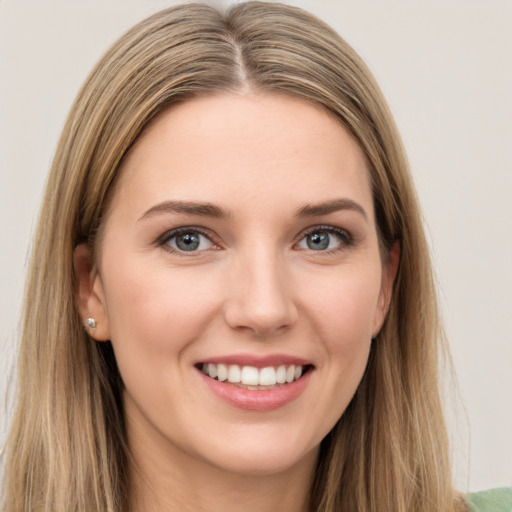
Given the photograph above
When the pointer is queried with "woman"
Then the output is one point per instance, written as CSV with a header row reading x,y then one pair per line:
x,y
230,304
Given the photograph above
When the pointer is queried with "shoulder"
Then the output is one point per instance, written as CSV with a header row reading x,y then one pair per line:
x,y
494,500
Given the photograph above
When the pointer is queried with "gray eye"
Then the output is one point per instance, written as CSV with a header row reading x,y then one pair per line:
x,y
189,241
320,240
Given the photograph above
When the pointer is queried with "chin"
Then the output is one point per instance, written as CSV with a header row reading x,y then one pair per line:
x,y
260,452
264,464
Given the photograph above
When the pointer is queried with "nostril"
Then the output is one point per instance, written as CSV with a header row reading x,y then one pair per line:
x,y
260,299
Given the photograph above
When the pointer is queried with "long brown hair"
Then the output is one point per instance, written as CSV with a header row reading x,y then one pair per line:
x,y
66,449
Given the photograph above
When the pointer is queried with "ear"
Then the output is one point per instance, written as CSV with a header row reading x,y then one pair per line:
x,y
389,272
89,294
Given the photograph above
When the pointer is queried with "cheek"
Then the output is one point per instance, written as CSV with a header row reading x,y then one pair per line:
x,y
346,306
342,308
153,311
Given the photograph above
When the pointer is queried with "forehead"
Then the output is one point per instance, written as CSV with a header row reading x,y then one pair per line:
x,y
239,149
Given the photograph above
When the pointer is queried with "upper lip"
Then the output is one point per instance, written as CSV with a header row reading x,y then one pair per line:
x,y
258,361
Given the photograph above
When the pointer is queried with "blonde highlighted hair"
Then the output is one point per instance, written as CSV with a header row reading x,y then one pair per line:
x,y
66,450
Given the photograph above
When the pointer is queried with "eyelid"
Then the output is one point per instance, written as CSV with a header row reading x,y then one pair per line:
x,y
163,239
346,237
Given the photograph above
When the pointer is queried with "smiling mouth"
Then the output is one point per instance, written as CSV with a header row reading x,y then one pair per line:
x,y
252,378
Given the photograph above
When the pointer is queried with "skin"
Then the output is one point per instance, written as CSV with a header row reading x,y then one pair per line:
x,y
253,287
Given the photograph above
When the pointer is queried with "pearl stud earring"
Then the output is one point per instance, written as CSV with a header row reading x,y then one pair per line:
x,y
91,323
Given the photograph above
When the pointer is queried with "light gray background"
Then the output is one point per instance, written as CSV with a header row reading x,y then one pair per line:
x,y
445,67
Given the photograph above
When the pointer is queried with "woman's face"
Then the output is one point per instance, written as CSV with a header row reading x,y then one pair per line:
x,y
240,242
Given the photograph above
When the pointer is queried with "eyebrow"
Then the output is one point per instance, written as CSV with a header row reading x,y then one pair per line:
x,y
210,210
334,205
187,208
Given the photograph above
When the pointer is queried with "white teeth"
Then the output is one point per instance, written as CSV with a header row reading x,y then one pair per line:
x,y
267,376
281,374
222,372
212,370
251,376
234,373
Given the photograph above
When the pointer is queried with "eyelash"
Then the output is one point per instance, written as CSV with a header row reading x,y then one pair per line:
x,y
169,235
346,239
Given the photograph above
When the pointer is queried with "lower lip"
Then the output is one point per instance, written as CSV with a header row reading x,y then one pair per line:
x,y
261,400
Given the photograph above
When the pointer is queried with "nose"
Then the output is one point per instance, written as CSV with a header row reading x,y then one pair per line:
x,y
260,295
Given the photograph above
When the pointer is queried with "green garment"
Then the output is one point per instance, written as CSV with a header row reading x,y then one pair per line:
x,y
495,500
